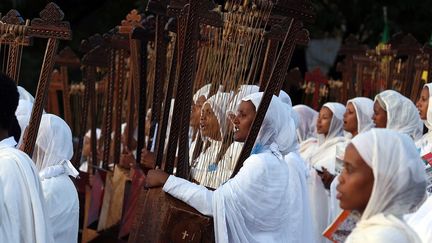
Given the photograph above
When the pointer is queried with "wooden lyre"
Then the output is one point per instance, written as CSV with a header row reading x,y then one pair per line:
x,y
60,84
15,41
139,33
162,218
49,26
408,50
95,57
349,49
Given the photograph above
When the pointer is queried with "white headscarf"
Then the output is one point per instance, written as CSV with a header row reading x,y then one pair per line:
x,y
219,104
402,115
285,98
428,121
23,122
278,129
307,122
243,91
399,177
336,124
54,148
364,111
25,95
24,108
203,91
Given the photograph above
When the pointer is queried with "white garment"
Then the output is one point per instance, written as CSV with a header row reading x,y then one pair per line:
x,y
23,122
421,221
382,228
23,196
24,108
62,202
218,104
307,122
402,115
399,186
298,173
6,225
225,166
256,205
278,126
25,95
53,151
324,156
424,144
203,91
201,168
364,111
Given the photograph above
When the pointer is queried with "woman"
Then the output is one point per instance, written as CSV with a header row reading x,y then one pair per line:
x,y
421,221
256,205
382,181
357,119
306,131
322,161
52,153
213,125
425,111
396,112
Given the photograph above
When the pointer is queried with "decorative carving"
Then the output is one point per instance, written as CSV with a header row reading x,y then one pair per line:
x,y
51,16
13,17
67,57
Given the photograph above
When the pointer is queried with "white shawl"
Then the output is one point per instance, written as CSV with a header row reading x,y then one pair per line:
x,y
255,205
23,196
54,149
402,115
399,185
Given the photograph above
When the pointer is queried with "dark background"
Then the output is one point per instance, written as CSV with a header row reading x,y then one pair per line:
x,y
364,18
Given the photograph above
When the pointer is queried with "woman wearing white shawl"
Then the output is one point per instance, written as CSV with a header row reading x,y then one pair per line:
x,y
213,125
306,130
258,204
22,192
382,181
357,119
425,110
396,112
421,221
322,162
53,151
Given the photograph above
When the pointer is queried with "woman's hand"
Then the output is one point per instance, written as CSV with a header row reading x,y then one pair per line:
x,y
126,158
156,178
148,159
326,178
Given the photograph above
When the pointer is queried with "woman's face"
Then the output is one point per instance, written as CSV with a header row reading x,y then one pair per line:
x,y
355,181
196,112
423,103
324,120
209,124
350,119
380,116
243,120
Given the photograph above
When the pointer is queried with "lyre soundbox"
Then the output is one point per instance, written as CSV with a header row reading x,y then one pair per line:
x,y
164,219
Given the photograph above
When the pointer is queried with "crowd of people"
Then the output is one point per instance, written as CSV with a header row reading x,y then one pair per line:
x,y
306,167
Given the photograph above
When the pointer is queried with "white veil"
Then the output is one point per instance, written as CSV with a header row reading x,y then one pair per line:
x,y
54,148
307,122
278,128
402,115
399,177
